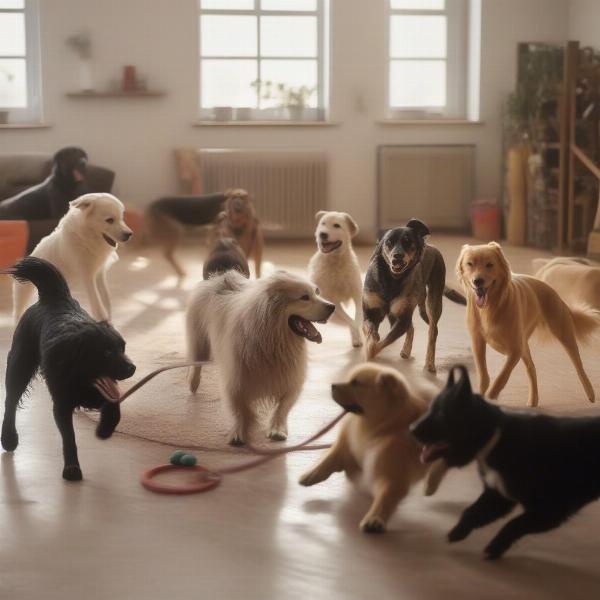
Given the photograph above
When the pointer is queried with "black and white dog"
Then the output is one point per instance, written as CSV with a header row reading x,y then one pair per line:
x,y
73,352
548,465
50,199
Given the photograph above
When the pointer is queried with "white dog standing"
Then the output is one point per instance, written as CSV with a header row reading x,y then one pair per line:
x,y
82,247
334,268
256,331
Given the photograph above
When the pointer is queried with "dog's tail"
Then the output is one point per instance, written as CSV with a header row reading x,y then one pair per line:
x,y
454,296
586,321
45,276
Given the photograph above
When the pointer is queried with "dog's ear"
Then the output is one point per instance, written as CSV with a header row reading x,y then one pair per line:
x,y
460,381
352,224
319,215
459,263
501,258
392,384
82,203
418,227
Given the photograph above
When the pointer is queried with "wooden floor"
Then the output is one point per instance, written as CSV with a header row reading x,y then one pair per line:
x,y
260,535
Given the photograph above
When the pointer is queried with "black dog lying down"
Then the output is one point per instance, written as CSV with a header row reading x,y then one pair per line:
x,y
549,465
72,351
226,254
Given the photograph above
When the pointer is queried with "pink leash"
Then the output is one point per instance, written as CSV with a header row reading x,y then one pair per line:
x,y
209,478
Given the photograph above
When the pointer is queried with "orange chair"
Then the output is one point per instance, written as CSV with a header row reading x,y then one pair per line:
x,y
13,242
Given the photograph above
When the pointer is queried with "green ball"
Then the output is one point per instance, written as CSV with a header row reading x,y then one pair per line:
x,y
177,456
188,460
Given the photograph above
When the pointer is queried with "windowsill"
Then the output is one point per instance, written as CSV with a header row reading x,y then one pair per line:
x,y
265,123
430,122
35,125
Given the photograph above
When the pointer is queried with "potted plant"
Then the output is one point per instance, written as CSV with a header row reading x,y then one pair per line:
x,y
294,99
81,44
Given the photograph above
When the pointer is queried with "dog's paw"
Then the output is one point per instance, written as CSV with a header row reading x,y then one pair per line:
x,y
405,355
357,343
277,435
308,479
372,525
458,533
495,549
10,439
104,430
72,473
430,368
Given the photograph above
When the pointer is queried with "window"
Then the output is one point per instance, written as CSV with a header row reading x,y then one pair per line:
x,y
19,60
262,59
428,58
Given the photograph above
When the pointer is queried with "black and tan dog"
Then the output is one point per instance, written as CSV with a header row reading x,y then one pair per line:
x,y
405,272
226,255
232,213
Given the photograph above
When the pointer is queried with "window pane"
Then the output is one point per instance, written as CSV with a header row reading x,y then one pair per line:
x,y
418,4
417,83
288,36
228,83
12,4
289,4
12,34
293,75
226,4
228,35
418,37
13,83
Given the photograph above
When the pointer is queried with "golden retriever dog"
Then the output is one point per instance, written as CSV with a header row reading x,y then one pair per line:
x,y
82,247
504,309
374,447
576,279
334,268
256,331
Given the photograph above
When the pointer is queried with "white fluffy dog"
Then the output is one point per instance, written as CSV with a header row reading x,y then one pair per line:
x,y
256,331
82,247
334,268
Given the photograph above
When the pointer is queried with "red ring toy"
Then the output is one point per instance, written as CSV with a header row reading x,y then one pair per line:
x,y
202,485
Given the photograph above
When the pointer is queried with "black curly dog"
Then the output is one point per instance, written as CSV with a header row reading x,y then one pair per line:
x,y
71,350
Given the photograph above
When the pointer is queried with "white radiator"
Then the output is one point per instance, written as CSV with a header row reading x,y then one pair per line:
x,y
432,183
287,187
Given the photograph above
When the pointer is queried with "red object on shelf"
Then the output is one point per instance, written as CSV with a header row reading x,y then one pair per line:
x,y
485,221
129,83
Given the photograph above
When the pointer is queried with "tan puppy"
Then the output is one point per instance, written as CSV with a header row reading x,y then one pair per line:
x,y
577,280
374,447
504,309
334,268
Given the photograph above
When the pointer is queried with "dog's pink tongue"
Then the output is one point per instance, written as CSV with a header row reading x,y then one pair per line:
x,y
480,300
77,176
109,388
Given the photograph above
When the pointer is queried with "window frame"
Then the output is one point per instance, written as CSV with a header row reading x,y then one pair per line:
x,y
456,60
33,111
318,113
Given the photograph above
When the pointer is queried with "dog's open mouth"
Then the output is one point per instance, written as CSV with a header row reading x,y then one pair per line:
x,y
398,269
327,247
432,452
109,241
481,295
108,387
304,328
78,175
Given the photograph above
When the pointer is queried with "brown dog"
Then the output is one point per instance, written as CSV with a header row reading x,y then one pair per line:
x,y
504,309
239,221
374,447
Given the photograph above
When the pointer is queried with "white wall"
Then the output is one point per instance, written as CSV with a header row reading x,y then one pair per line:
x,y
136,137
584,22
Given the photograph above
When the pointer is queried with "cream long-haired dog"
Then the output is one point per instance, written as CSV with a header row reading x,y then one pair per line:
x,y
82,247
576,279
256,331
334,268
374,447
504,309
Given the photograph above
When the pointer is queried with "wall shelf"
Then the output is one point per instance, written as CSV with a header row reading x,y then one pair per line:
x,y
117,94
